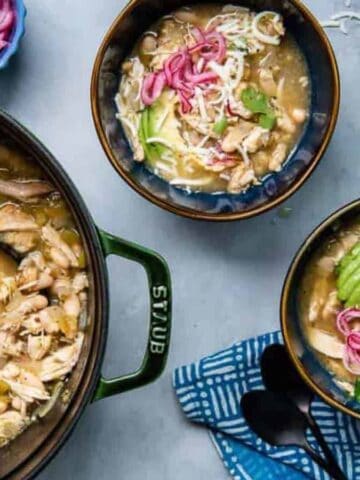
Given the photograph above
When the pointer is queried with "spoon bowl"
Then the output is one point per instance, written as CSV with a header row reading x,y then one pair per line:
x,y
274,360
278,421
274,418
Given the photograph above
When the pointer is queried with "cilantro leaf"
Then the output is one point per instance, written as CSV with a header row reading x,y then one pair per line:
x,y
258,102
267,121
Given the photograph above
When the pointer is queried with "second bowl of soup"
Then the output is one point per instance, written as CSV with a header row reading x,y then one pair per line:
x,y
320,310
215,111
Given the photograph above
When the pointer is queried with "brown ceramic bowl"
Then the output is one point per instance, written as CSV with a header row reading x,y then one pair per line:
x,y
137,16
29,452
303,357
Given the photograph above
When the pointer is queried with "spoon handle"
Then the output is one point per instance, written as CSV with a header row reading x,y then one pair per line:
x,y
323,464
325,448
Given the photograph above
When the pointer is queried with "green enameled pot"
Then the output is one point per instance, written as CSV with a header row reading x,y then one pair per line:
x,y
27,454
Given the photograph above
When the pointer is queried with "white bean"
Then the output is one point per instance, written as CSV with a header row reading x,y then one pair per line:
x,y
59,258
299,115
3,406
148,44
186,16
72,305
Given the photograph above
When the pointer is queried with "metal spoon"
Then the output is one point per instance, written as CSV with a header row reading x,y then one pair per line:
x,y
278,421
280,375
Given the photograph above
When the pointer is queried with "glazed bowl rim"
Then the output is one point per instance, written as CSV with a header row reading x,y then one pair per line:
x,y
297,261
188,212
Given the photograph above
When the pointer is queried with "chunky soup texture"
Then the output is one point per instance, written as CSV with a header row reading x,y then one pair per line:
x,y
214,97
329,305
43,294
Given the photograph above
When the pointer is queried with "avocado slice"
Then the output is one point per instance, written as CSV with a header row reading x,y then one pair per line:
x,y
350,268
349,285
348,258
354,299
150,152
169,128
156,112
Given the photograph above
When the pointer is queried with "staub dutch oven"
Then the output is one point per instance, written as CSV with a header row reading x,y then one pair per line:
x,y
27,454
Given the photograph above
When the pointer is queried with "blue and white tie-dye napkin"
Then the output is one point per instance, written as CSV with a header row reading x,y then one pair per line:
x,y
209,393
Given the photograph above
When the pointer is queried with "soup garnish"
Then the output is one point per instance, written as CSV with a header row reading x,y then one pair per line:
x,y
214,97
330,306
43,294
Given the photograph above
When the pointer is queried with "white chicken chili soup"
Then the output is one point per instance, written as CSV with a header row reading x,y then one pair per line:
x,y
330,306
213,97
43,294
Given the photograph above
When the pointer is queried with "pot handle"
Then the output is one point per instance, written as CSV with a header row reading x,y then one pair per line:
x,y
160,316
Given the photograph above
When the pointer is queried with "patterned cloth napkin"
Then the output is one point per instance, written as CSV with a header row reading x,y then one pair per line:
x,y
209,393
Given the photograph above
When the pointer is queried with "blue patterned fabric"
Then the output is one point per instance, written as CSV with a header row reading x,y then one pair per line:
x,y
209,393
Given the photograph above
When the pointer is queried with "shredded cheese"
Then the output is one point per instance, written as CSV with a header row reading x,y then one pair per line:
x,y
219,17
244,154
160,140
164,167
280,88
130,125
203,141
201,104
169,158
265,59
263,37
195,182
162,119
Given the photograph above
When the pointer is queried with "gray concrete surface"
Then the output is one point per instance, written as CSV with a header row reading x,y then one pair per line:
x,y
226,278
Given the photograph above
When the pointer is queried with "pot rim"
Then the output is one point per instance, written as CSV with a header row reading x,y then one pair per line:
x,y
91,373
285,294
186,212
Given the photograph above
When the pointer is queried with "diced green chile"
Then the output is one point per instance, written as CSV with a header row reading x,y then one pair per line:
x,y
220,126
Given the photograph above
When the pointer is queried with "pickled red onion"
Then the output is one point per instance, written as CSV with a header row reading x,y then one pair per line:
x,y
173,64
352,347
353,340
198,34
197,78
344,318
180,73
217,51
152,87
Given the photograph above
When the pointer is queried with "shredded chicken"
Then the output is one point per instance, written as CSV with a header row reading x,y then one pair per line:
x,y
236,135
278,156
14,219
24,190
259,137
11,424
42,298
241,176
60,251
21,242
